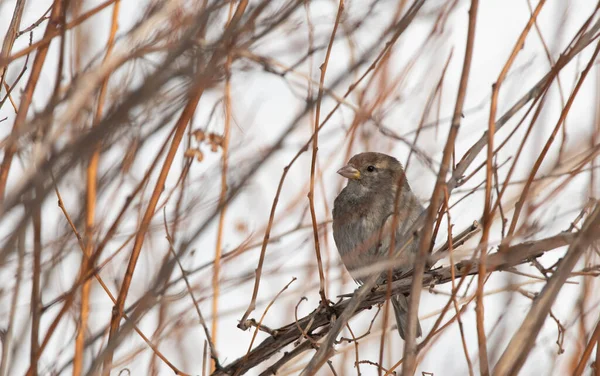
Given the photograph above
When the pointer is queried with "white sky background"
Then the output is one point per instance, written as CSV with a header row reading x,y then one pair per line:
x,y
263,105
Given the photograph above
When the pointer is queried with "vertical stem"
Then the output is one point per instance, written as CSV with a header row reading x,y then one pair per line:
x,y
315,147
180,126
118,309
487,211
90,213
410,347
222,197
453,281
35,283
179,130
13,304
391,254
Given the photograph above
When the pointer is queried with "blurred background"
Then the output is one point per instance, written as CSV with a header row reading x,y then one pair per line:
x,y
157,157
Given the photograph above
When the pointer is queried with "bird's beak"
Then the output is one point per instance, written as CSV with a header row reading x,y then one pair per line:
x,y
349,172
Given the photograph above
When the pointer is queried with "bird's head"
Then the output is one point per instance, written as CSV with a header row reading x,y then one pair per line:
x,y
373,170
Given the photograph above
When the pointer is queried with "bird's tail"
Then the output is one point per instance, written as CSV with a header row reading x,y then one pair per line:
x,y
400,303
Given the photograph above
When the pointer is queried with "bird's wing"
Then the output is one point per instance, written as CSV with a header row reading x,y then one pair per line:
x,y
406,245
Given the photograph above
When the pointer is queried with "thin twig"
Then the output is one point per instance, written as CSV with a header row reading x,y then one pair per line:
x,y
213,351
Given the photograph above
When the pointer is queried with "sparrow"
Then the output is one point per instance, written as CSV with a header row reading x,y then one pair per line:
x,y
363,214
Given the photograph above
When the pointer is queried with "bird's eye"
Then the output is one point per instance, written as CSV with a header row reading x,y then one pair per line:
x,y
371,168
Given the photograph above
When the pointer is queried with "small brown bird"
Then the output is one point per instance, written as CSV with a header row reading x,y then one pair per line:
x,y
362,218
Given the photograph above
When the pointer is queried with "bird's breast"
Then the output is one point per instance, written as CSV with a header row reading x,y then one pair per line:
x,y
356,229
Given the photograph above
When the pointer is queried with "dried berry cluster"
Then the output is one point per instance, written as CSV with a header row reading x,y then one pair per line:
x,y
213,140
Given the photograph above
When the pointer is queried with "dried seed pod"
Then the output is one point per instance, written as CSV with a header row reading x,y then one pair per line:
x,y
190,153
199,155
199,135
217,139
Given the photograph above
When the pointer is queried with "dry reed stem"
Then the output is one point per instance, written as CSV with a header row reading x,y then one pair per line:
x,y
92,171
222,198
315,147
149,213
454,289
410,347
487,212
